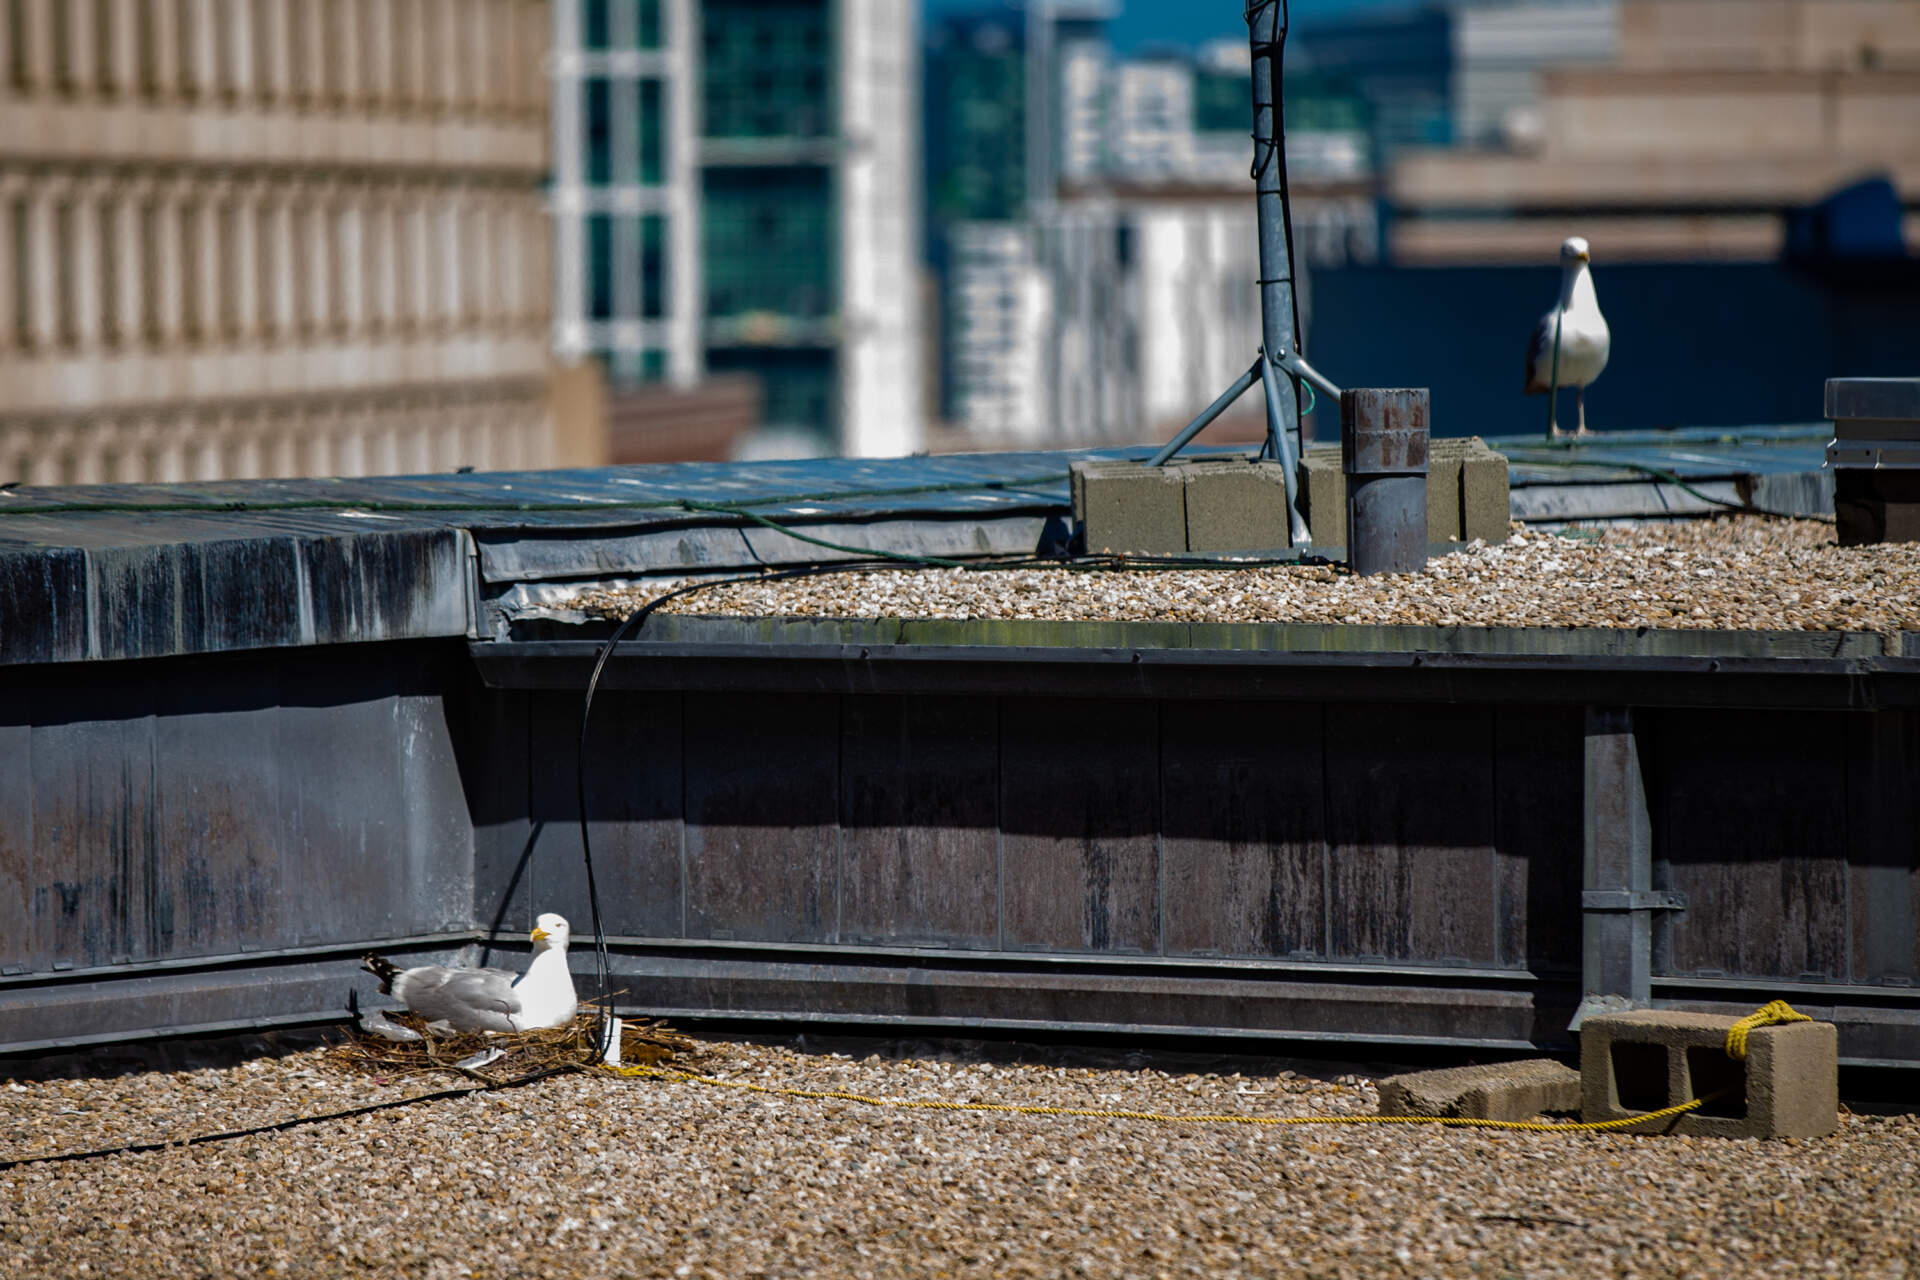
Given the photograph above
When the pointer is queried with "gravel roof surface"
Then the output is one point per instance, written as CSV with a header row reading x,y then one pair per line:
x,y
591,1175
1744,573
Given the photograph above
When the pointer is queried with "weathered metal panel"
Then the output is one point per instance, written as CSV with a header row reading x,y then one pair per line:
x,y
1395,676
1270,642
18,874
1088,995
762,788
63,1011
219,883
343,822
1410,833
1537,804
43,615
436,828
385,586
1009,533
1750,822
521,557
492,740
1244,829
166,593
1079,812
93,767
919,817
190,597
1883,839
634,774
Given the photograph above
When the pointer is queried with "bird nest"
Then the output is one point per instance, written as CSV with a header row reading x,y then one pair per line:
x,y
500,1056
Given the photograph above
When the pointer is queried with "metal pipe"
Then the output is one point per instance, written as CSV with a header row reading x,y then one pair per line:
x,y
1297,364
1283,451
1279,323
1383,451
1207,415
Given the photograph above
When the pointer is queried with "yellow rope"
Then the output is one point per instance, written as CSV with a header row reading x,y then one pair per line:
x,y
1159,1117
1766,1015
1777,1012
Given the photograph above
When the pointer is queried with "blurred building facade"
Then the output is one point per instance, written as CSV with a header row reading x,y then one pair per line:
x,y
1464,73
1714,121
283,237
736,192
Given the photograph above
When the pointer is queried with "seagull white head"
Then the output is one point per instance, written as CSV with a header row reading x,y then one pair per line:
x,y
1575,250
550,931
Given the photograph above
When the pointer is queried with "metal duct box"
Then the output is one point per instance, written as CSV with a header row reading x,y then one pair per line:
x,y
1875,457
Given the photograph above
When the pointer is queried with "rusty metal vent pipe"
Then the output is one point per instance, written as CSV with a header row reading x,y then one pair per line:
x,y
1383,450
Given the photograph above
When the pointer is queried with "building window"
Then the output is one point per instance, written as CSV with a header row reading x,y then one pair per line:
x,y
599,132
768,65
619,24
769,241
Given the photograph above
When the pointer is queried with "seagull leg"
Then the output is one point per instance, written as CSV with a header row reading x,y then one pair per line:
x,y
1580,398
1553,420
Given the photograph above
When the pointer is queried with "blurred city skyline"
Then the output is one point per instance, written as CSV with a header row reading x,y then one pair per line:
x,y
340,237
1140,23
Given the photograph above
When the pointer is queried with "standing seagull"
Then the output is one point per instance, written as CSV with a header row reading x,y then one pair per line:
x,y
1571,342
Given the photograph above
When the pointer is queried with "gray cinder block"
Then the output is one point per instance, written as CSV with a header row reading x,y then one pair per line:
x,y
1495,1091
1467,492
1443,490
1235,505
1788,1085
1486,506
1125,506
1323,493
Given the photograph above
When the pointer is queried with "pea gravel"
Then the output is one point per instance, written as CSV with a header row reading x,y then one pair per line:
x,y
594,1176
1737,573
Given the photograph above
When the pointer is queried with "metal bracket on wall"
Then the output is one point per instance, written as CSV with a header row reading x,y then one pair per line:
x,y
1618,899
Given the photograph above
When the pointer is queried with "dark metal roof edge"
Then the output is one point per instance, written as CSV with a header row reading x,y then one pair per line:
x,y
984,670
696,634
496,656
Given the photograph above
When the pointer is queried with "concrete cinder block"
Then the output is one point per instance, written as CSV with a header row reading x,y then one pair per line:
x,y
1124,506
1788,1085
1495,1091
1486,504
1234,504
1467,492
1323,493
1443,491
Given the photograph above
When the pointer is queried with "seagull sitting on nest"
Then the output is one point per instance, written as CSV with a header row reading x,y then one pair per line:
x,y
489,999
1571,342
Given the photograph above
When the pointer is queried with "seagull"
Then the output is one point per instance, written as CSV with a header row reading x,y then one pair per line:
x,y
1581,334
489,999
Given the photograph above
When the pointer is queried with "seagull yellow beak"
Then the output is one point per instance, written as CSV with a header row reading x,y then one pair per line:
x,y
538,935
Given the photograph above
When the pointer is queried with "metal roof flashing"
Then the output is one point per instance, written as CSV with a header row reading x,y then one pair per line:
x,y
110,572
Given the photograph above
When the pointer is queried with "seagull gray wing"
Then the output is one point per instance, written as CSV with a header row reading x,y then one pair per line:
x,y
1540,355
467,999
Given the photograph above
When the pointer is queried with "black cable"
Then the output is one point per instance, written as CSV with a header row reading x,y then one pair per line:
x,y
281,1126
603,1021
